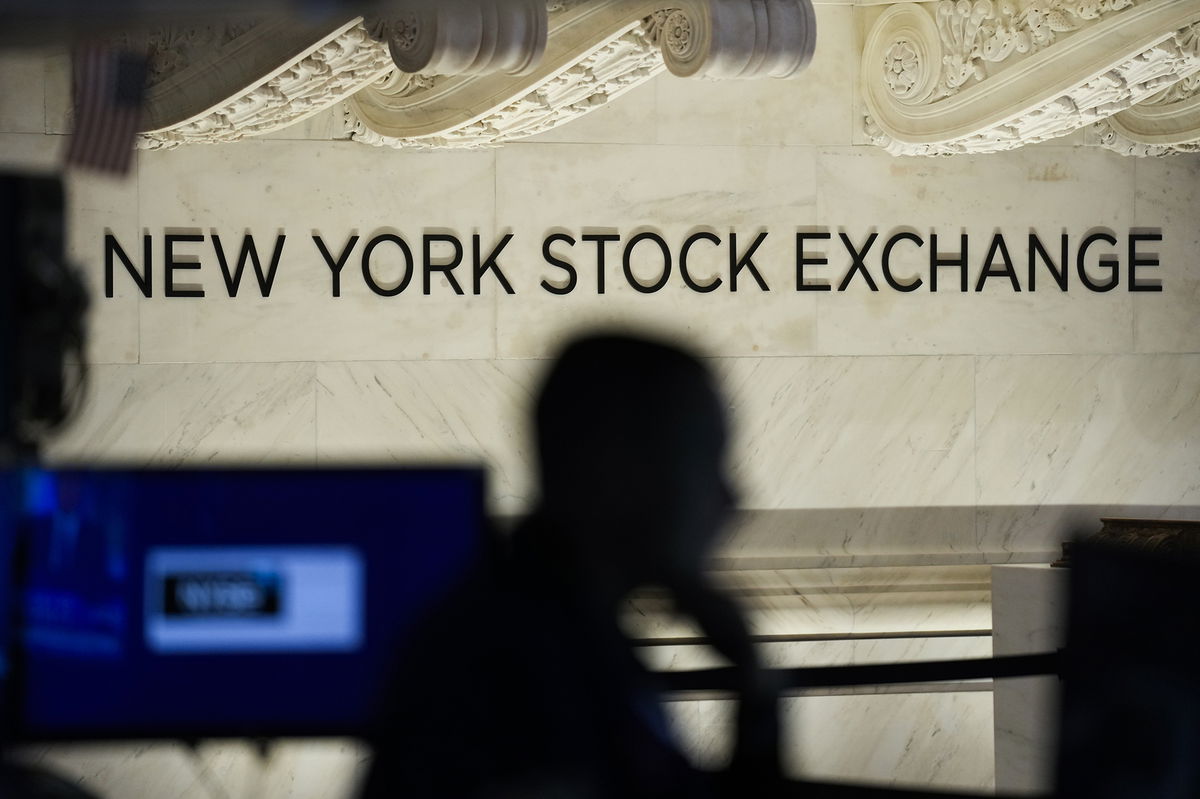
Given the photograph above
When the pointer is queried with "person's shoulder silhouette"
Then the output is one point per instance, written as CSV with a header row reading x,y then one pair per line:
x,y
521,683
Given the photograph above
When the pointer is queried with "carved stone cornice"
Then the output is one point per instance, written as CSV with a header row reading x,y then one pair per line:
x,y
973,77
519,67
337,65
595,52
1164,124
421,109
194,71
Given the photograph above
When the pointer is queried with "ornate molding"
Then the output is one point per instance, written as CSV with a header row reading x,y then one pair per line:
x,y
464,73
1165,123
338,65
607,72
596,51
974,77
977,34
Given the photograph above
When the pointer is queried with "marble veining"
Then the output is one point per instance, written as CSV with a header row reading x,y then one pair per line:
x,y
851,433
172,414
1168,200
310,769
432,410
1030,608
907,740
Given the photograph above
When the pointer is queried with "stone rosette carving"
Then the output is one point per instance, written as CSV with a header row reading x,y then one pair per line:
x,y
974,76
903,67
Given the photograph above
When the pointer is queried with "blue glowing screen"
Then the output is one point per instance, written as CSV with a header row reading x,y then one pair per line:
x,y
214,603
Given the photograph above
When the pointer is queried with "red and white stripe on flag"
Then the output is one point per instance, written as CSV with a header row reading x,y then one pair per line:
x,y
110,85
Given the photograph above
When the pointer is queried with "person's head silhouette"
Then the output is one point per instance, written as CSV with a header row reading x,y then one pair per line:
x,y
631,443
550,698
631,439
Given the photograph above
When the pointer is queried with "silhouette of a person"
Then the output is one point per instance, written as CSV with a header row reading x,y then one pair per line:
x,y
522,683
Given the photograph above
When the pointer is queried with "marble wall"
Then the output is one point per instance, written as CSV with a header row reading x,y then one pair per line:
x,y
872,429
1029,616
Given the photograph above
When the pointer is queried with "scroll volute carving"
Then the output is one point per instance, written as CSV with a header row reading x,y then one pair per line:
x,y
720,39
466,37
730,39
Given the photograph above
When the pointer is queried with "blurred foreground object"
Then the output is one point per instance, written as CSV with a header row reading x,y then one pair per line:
x,y
219,603
110,84
547,698
42,305
1164,536
1131,710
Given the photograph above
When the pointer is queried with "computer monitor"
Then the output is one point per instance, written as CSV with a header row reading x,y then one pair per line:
x,y
228,603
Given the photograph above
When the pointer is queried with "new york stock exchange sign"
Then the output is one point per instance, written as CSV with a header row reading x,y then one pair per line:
x,y
193,264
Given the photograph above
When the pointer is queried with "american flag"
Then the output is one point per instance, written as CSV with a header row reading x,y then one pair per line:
x,y
110,84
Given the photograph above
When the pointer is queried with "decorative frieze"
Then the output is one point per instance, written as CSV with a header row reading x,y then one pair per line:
x,y
337,67
465,73
1165,123
975,34
958,76
609,71
974,77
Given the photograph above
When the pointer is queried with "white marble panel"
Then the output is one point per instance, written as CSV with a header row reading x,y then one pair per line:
x,y
166,414
322,126
840,601
852,433
22,107
940,740
1077,430
336,188
1029,614
432,411
864,190
869,579
145,768
57,76
31,153
813,537
627,119
916,649
703,729
313,769
97,203
675,191
828,614
1035,533
922,611
1168,198
784,614
813,107
807,654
